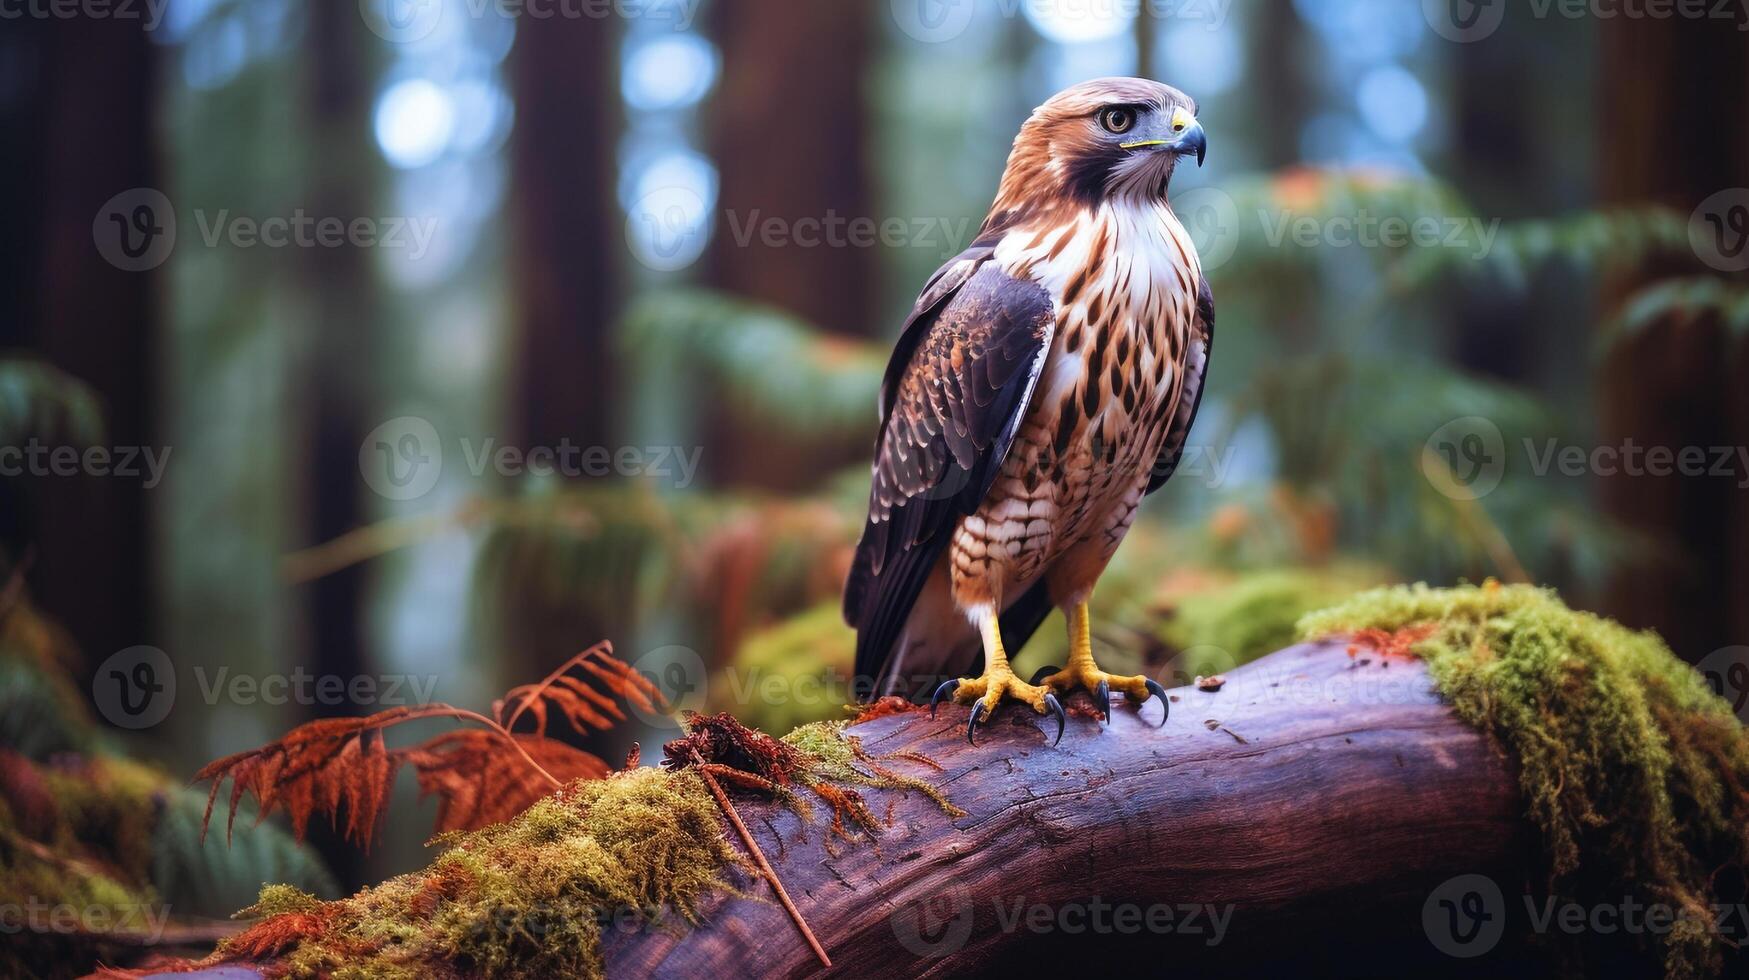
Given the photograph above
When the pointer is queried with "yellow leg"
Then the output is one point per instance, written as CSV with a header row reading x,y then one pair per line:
x,y
985,693
1082,672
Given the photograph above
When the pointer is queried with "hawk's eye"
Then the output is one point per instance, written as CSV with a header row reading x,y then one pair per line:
x,y
1118,120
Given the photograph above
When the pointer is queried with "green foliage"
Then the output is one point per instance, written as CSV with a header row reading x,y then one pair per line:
x,y
1352,434
1679,302
41,402
792,673
774,370
606,560
1221,624
84,827
206,875
1632,768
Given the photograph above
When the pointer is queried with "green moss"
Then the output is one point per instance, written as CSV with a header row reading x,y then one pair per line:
x,y
1632,768
1229,622
836,758
533,897
280,900
790,674
527,898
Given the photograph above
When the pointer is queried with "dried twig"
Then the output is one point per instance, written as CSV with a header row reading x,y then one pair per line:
x,y
795,914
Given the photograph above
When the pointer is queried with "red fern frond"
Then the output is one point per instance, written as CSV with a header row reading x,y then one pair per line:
x,y
342,766
477,783
583,706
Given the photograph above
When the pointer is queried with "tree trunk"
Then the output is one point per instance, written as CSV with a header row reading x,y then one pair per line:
x,y
334,371
1314,804
1666,84
796,69
79,118
569,235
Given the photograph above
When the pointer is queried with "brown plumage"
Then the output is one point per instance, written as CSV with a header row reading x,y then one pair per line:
x,y
1043,384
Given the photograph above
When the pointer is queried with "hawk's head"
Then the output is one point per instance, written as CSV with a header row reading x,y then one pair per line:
x,y
1101,140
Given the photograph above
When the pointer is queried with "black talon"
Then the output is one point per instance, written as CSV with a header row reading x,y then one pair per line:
x,y
1042,673
947,687
1155,690
971,726
1102,700
1056,708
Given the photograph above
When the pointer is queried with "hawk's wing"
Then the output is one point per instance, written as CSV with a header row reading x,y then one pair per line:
x,y
1191,370
955,391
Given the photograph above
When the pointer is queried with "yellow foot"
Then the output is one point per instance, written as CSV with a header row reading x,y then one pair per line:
x,y
986,693
1082,672
1085,674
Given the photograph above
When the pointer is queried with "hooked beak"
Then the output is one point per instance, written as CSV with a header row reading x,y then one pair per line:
x,y
1187,137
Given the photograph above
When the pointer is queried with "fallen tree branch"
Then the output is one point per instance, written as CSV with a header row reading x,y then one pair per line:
x,y
1305,814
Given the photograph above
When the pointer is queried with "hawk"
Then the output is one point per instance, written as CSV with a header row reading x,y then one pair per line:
x,y
1043,384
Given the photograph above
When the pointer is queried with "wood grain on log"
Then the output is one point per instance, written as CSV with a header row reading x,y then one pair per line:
x,y
1299,818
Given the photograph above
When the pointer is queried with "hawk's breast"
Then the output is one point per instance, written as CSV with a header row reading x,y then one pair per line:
x,y
1124,284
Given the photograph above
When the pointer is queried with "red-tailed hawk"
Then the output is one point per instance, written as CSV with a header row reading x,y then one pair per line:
x,y
1044,383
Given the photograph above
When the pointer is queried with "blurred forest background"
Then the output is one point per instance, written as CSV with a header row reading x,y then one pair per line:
x,y
622,208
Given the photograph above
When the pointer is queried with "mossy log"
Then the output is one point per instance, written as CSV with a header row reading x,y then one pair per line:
x,y
1303,817
1306,812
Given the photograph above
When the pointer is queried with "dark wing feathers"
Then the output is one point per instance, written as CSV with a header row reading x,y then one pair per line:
x,y
955,392
1194,368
